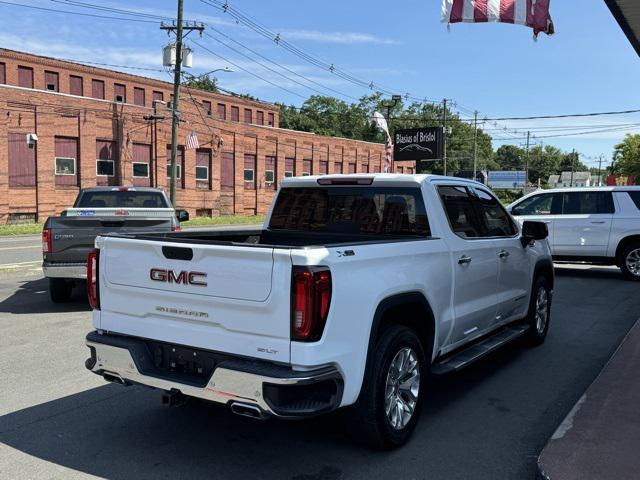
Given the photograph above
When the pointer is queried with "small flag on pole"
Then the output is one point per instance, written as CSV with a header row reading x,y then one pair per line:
x,y
388,156
381,123
530,13
192,140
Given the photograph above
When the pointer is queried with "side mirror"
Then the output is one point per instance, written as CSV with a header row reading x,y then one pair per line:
x,y
533,231
182,215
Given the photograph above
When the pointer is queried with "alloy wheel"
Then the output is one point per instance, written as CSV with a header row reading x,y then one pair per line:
x,y
633,261
542,309
402,388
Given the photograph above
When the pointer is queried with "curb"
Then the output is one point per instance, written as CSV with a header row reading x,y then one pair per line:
x,y
567,424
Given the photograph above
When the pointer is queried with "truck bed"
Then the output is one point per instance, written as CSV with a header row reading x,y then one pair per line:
x,y
267,238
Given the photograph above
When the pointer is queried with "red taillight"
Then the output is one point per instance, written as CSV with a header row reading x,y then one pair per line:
x,y
46,240
176,229
310,300
92,279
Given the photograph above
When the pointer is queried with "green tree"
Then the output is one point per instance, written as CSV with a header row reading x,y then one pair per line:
x,y
544,162
510,157
571,161
210,84
330,116
626,156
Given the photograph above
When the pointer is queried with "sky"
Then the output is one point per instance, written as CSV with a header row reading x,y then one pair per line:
x,y
403,47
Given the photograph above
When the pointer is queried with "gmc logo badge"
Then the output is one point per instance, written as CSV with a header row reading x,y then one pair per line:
x,y
184,278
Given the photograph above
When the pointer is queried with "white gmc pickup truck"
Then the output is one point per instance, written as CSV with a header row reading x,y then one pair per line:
x,y
355,291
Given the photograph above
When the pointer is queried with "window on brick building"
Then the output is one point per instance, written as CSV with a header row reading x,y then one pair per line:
x,y
158,96
271,119
337,167
249,171
306,168
97,89
260,117
106,158
120,93
206,104
139,96
270,172
51,81
75,85
352,168
66,161
203,168
222,111
235,114
140,166
179,165
140,170
25,77
227,171
248,115
289,167
3,73
22,162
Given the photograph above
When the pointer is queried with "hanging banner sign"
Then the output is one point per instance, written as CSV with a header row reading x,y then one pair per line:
x,y
417,144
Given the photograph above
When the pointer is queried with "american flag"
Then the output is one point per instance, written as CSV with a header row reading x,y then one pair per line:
x,y
192,140
531,13
388,155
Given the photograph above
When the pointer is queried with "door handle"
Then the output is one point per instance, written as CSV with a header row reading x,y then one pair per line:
x,y
503,254
463,260
597,221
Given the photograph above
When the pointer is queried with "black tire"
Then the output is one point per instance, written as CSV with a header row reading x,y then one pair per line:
x,y
539,306
629,255
367,420
60,290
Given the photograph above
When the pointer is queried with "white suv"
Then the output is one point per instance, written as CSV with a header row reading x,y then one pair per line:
x,y
594,225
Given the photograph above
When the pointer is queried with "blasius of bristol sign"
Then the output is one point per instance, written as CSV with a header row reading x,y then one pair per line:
x,y
418,144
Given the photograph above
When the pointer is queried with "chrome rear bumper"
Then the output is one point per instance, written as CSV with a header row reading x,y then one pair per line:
x,y
76,271
277,391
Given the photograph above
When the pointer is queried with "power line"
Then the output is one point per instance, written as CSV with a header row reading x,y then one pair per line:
x,y
248,71
263,65
93,15
308,57
283,66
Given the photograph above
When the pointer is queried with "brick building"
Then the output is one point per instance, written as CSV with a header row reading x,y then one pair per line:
x,y
91,130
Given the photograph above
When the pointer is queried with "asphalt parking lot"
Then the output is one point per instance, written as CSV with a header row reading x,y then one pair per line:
x,y
491,421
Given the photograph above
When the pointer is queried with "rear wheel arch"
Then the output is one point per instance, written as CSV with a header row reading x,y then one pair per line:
x,y
410,309
622,244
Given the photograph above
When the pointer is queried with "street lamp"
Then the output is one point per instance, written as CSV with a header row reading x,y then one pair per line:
x,y
198,77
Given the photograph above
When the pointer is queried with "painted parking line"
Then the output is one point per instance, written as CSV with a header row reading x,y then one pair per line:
x,y
19,264
3,249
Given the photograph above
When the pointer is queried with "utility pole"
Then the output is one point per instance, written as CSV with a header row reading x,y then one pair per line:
x,y
600,171
475,144
526,166
154,135
444,134
178,28
573,165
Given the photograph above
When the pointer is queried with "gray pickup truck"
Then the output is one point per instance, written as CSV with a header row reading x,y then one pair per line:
x,y
67,239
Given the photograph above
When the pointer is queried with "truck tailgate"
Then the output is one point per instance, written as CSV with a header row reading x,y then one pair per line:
x,y
226,298
74,237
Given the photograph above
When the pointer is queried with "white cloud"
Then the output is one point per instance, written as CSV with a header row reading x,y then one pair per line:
x,y
336,37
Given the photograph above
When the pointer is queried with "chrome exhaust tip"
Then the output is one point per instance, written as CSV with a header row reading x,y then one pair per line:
x,y
115,378
247,410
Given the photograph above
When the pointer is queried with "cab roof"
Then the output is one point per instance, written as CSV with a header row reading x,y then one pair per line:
x,y
376,179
